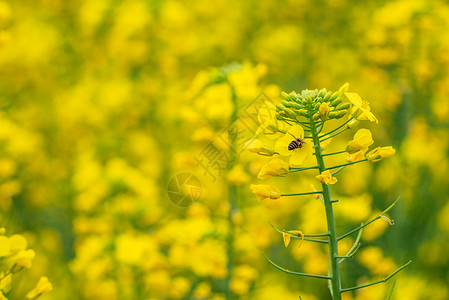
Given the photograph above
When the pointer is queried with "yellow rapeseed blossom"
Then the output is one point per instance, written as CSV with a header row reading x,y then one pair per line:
x,y
360,108
326,178
263,191
299,154
42,287
256,146
23,258
380,153
275,167
361,141
324,110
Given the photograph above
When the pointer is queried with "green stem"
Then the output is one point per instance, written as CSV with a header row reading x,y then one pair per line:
x,y
333,243
377,282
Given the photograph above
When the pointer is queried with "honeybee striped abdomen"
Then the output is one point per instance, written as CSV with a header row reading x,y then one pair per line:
x,y
296,143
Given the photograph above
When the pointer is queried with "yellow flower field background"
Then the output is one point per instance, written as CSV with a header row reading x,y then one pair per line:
x,y
107,106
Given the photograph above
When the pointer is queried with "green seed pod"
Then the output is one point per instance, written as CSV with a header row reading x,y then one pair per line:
x,y
344,106
328,96
316,116
333,96
280,107
336,102
285,96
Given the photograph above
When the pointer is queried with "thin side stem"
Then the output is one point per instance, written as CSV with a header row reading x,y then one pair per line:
x,y
294,273
337,133
333,153
301,169
377,282
347,164
301,194
332,131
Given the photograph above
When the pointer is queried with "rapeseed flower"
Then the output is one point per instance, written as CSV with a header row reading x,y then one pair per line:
x,y
299,154
263,191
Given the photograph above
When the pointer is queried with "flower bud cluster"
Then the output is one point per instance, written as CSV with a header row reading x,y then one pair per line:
x,y
316,104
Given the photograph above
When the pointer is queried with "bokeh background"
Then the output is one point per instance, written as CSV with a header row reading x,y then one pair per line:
x,y
103,102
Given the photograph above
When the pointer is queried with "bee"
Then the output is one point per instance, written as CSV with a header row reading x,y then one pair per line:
x,y
296,143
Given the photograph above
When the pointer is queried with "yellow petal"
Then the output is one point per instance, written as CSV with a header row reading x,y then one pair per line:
x,y
286,236
354,98
301,154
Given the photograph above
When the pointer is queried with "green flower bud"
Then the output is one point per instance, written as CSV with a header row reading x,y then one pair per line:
x,y
290,113
344,106
317,105
309,99
333,115
279,117
302,112
296,105
341,114
316,116
286,103
327,96
336,102
343,89
322,93
280,107
285,96
304,102
333,96
293,95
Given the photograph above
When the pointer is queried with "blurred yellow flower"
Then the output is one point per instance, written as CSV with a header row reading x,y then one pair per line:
x,y
237,175
326,178
5,282
299,154
263,191
5,246
379,153
275,167
42,287
23,258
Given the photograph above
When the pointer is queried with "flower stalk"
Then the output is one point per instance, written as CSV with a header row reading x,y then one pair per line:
x,y
333,242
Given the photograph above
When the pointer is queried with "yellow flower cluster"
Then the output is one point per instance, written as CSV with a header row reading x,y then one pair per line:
x,y
14,257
